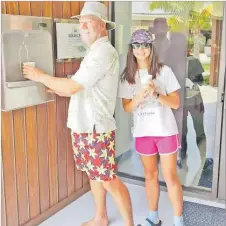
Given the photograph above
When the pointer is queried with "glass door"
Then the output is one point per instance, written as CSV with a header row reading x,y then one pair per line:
x,y
122,14
191,46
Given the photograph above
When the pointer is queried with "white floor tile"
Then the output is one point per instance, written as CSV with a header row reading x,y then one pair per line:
x,y
83,209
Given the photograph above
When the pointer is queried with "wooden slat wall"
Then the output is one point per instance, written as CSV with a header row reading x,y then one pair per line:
x,y
39,176
3,213
217,26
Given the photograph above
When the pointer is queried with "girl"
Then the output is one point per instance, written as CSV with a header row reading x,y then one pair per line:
x,y
150,90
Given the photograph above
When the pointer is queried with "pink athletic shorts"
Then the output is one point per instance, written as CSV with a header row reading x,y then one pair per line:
x,y
154,145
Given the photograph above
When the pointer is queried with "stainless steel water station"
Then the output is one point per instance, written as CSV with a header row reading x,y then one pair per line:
x,y
25,40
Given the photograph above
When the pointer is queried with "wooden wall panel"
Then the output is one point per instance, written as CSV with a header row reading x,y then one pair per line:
x,y
36,8
47,10
38,172
52,132
66,9
52,148
3,213
3,9
42,138
21,165
61,121
42,132
70,160
57,9
12,8
32,155
24,8
75,8
9,174
69,154
62,133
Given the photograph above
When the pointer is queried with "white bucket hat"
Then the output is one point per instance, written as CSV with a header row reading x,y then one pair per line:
x,y
98,9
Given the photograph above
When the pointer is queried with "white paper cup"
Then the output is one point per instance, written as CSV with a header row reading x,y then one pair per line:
x,y
145,80
29,63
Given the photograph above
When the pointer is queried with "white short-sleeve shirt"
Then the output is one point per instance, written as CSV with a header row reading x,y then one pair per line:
x,y
152,118
94,106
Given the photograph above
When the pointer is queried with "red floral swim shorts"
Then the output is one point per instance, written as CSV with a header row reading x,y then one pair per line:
x,y
94,153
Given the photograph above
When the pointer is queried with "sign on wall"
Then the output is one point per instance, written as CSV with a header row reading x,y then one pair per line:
x,y
69,44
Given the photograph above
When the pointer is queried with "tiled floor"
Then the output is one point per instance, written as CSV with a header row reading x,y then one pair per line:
x,y
83,209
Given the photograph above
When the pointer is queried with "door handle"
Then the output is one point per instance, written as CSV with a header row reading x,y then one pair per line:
x,y
223,100
224,92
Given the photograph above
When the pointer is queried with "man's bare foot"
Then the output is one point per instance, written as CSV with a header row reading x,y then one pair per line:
x,y
96,222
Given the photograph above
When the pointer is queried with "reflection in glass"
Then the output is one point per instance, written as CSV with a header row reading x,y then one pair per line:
x,y
187,39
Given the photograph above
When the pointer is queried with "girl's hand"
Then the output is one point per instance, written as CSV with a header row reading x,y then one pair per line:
x,y
140,97
152,88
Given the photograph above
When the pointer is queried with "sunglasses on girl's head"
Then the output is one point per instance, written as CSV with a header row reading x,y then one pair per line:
x,y
142,45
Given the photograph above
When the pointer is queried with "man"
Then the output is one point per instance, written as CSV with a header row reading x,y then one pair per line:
x,y
160,29
93,91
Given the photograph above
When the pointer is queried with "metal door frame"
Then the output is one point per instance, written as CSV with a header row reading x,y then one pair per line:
x,y
221,192
194,192
220,106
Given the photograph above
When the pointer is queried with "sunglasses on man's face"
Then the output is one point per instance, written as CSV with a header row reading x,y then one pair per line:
x,y
142,45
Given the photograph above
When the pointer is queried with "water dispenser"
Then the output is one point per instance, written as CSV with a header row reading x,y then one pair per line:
x,y
25,40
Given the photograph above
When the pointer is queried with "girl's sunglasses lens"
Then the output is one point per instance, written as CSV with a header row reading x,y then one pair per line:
x,y
142,45
136,45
